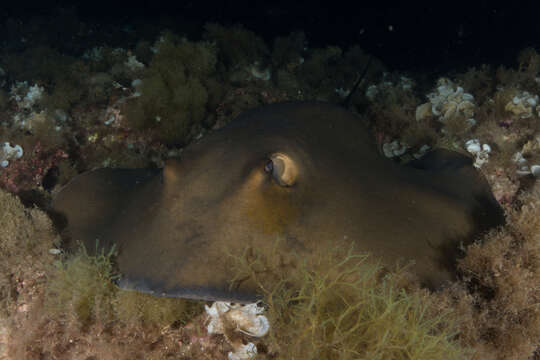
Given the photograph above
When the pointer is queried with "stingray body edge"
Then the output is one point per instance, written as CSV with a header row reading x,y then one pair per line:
x,y
307,173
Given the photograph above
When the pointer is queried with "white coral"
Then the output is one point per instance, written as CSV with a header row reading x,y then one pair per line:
x,y
387,88
523,166
259,72
26,96
133,64
394,148
523,105
8,152
447,102
245,318
480,152
422,151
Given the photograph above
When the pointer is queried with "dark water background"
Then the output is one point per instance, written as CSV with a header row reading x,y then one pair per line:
x,y
434,36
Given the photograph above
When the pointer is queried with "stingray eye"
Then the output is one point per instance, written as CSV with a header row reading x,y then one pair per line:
x,y
282,168
269,167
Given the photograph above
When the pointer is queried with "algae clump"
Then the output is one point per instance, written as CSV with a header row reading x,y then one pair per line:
x,y
26,235
237,45
135,307
176,89
346,307
82,286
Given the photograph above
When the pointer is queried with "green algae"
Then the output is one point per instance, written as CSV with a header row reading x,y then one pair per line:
x,y
82,286
135,307
175,90
26,235
82,291
343,306
236,45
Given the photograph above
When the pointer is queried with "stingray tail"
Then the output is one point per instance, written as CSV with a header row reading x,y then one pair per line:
x,y
348,99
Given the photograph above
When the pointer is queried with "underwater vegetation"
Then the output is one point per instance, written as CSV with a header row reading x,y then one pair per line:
x,y
64,76
337,307
61,306
84,284
176,90
345,306
237,46
26,235
499,297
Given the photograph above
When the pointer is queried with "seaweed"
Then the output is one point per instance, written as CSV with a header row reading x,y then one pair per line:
x,y
26,235
237,46
478,81
175,90
529,62
39,63
63,76
345,306
77,309
83,285
143,51
421,132
318,67
3,99
133,307
287,51
499,297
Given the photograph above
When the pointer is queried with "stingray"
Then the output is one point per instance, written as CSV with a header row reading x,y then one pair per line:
x,y
306,173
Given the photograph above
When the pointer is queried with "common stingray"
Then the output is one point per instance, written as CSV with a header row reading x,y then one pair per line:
x,y
307,173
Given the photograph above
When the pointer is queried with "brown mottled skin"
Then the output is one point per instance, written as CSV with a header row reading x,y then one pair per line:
x,y
174,227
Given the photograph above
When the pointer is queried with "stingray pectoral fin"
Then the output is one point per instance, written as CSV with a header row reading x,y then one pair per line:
x,y
202,292
454,174
91,202
441,160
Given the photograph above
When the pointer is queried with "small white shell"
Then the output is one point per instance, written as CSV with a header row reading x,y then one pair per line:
x,y
532,101
473,146
535,170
